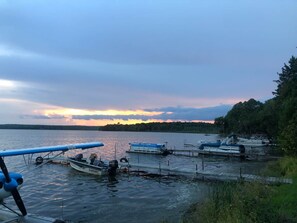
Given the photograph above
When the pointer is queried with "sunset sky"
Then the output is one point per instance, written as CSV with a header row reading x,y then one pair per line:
x,y
96,62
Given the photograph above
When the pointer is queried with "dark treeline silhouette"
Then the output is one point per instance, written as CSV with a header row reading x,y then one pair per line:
x,y
192,127
49,127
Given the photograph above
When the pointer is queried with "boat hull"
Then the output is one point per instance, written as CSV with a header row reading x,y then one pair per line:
x,y
88,168
148,152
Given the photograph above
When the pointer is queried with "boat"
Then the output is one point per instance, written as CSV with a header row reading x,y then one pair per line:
x,y
234,145
149,148
92,165
11,182
231,149
233,139
223,148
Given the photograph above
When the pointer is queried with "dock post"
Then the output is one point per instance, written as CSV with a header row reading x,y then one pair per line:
x,y
128,166
160,168
138,162
203,162
196,168
240,174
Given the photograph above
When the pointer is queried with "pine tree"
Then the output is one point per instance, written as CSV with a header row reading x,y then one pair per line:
x,y
286,99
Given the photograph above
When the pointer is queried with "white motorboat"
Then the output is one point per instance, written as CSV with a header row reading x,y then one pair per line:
x,y
226,147
92,165
234,145
250,143
222,148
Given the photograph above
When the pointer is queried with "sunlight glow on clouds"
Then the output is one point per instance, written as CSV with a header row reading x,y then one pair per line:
x,y
44,114
68,112
170,114
7,84
38,113
10,89
88,117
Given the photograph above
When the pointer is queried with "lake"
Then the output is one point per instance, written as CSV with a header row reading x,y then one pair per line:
x,y
60,192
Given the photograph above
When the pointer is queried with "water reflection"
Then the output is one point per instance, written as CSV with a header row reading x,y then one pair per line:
x,y
125,197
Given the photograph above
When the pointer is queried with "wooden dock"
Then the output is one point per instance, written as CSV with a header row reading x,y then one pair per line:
x,y
199,174
197,152
195,173
194,152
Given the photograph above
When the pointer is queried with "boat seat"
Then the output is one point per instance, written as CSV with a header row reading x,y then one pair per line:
x,y
96,162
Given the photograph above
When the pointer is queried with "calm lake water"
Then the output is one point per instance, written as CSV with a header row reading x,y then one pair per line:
x,y
60,192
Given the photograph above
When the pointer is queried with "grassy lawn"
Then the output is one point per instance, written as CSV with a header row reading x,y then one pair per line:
x,y
251,202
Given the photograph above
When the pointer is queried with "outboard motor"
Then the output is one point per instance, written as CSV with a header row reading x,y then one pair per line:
x,y
242,152
112,167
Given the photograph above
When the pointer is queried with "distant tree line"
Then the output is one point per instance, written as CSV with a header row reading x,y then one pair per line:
x,y
192,127
49,127
276,118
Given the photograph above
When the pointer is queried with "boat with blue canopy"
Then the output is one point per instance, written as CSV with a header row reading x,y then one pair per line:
x,y
149,148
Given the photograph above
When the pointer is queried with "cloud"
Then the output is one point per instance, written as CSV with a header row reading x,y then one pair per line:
x,y
179,113
101,55
113,117
41,117
170,113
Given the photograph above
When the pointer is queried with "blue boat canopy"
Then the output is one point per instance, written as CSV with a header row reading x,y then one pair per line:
x,y
148,145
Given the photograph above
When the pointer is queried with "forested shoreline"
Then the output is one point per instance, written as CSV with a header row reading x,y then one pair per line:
x,y
49,127
183,127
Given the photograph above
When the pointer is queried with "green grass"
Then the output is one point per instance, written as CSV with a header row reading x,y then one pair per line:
x,y
251,202
235,202
284,167
285,197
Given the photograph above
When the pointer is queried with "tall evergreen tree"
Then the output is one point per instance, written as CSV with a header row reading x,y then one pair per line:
x,y
286,99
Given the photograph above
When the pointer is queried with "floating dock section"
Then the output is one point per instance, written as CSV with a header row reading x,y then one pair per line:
x,y
197,152
202,174
189,152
